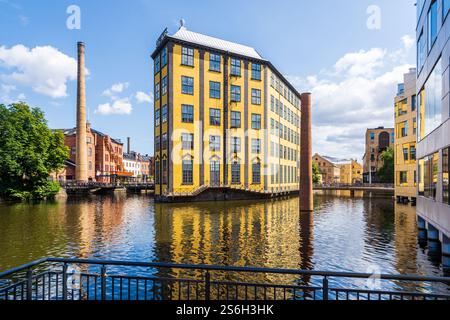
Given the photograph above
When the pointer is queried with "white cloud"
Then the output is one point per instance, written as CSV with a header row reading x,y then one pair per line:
x,y
120,106
45,69
142,97
6,91
357,94
408,41
116,89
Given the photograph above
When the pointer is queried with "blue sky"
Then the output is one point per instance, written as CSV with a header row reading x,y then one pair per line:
x,y
323,46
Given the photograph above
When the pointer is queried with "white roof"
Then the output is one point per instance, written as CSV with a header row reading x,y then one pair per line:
x,y
219,44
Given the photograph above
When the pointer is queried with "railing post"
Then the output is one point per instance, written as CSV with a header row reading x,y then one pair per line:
x,y
103,281
207,286
29,284
64,285
325,288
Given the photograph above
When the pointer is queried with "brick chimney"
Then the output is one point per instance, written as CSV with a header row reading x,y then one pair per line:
x,y
306,181
81,174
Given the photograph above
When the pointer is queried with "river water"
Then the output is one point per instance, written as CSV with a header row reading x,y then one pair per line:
x,y
344,233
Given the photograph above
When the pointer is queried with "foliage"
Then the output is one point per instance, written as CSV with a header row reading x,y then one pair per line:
x,y
316,173
29,153
386,172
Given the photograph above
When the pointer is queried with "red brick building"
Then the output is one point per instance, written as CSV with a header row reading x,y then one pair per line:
x,y
105,156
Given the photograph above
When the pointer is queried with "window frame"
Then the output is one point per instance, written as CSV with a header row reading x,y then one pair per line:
x,y
214,91
187,85
235,93
256,70
190,116
256,121
214,65
235,122
215,117
187,56
256,96
236,65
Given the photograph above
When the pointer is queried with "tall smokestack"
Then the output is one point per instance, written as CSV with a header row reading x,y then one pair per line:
x,y
81,174
128,145
306,182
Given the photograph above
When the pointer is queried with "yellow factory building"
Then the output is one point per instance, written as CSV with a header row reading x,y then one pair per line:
x,y
224,118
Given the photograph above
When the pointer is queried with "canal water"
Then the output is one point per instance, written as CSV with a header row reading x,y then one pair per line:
x,y
358,234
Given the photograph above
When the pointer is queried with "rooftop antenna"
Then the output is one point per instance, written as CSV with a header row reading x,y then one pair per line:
x,y
182,23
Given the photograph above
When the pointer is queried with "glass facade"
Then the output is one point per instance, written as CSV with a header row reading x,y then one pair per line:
x,y
432,24
445,175
431,103
428,176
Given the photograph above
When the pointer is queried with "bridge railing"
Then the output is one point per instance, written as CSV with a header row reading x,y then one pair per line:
x,y
355,185
77,279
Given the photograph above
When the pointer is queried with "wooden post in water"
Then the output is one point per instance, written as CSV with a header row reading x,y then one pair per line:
x,y
306,182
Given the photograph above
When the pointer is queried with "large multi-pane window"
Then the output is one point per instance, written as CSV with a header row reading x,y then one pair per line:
x,y
164,57
187,85
157,118
235,119
164,141
431,103
235,67
256,173
256,71
214,90
164,85
214,62
188,172
235,172
164,171
445,175
164,113
421,51
157,64
214,117
157,172
432,24
235,94
235,144
214,143
187,113
428,176
272,103
187,56
157,144
256,96
256,146
256,121
187,141
157,91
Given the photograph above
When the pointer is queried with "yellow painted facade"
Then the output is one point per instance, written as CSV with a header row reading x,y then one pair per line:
x,y
405,138
267,138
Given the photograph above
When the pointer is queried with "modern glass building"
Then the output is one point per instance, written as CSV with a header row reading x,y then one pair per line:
x,y
433,134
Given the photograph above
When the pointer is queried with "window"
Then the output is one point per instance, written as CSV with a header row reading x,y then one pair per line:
x,y
235,173
164,85
187,141
403,177
256,173
188,172
187,113
157,64
402,129
164,172
256,121
412,153
164,57
164,141
235,67
272,103
405,154
235,94
187,85
214,90
157,92
157,171
413,103
445,8
214,62
235,144
235,119
187,57
430,102
372,136
214,117
214,143
164,113
256,71
432,24
157,118
256,96
421,51
157,143
256,146
90,152
445,175
428,176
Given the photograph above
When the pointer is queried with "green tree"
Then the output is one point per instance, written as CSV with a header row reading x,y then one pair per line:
x,y
386,172
316,173
29,153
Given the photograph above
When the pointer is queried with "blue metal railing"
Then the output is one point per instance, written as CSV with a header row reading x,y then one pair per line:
x,y
52,279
